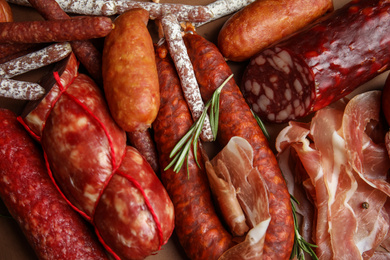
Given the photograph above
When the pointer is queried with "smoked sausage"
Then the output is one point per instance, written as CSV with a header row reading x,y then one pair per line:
x,y
109,183
5,12
52,227
264,22
129,72
236,119
321,64
197,225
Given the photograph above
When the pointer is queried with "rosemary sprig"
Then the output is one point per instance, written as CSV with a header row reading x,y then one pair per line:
x,y
182,148
262,126
300,244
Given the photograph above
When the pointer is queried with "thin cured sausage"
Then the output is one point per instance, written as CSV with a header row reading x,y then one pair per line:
x,y
52,227
321,64
236,119
197,225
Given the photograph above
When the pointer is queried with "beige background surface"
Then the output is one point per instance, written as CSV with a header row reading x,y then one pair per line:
x,y
13,245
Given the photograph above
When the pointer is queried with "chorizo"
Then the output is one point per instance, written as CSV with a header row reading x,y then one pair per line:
x,y
51,226
320,64
264,22
197,225
236,119
103,179
129,72
5,12
77,28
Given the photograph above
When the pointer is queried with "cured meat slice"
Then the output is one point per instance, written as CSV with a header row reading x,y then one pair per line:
x,y
321,64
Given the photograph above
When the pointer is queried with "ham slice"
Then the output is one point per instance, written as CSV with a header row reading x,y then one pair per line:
x,y
344,174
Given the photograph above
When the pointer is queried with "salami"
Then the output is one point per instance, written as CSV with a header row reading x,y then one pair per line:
x,y
22,90
236,119
54,230
321,64
107,182
199,230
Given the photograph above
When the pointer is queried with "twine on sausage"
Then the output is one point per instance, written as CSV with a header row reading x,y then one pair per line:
x,y
114,162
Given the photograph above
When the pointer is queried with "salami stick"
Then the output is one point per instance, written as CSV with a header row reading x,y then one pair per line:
x,y
197,225
85,51
21,90
321,64
35,60
9,51
78,28
236,119
54,230
178,51
190,13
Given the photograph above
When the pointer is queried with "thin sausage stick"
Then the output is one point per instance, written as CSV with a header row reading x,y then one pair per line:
x,y
35,60
85,51
178,51
21,90
190,13
79,28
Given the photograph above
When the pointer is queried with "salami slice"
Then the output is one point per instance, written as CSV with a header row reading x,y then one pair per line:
x,y
321,64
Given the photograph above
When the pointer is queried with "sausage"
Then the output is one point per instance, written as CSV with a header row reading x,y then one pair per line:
x,y
264,22
189,13
34,60
5,12
144,143
10,51
236,119
197,225
53,229
129,72
77,28
321,64
22,90
85,51
110,184
385,99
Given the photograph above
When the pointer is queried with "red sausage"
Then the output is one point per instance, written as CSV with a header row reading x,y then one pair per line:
x,y
199,229
264,22
320,64
236,119
54,230
85,51
77,28
385,99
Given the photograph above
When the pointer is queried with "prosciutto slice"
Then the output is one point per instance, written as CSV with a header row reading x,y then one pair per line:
x,y
343,172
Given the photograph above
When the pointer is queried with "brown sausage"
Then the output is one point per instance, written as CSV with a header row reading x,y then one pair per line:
x,y
265,21
5,12
129,72
198,227
52,227
236,119
85,51
78,28
10,51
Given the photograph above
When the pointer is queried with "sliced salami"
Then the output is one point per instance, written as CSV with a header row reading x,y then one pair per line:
x,y
321,64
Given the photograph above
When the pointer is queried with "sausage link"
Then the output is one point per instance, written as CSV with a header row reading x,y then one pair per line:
x,y
262,23
5,12
77,28
320,64
197,225
236,119
54,230
85,51
129,72
10,51
22,90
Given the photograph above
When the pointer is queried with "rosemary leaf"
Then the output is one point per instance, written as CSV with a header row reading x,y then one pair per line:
x,y
262,126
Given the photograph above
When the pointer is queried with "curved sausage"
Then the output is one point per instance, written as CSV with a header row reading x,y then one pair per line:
x,y
129,72
54,230
236,119
197,225
321,64
264,22
5,12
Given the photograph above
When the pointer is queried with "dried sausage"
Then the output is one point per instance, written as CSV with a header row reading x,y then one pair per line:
x,y
262,23
129,72
77,28
321,64
54,230
197,225
236,119
22,90
5,12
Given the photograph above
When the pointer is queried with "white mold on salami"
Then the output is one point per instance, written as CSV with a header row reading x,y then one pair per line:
x,y
35,60
21,90
178,51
